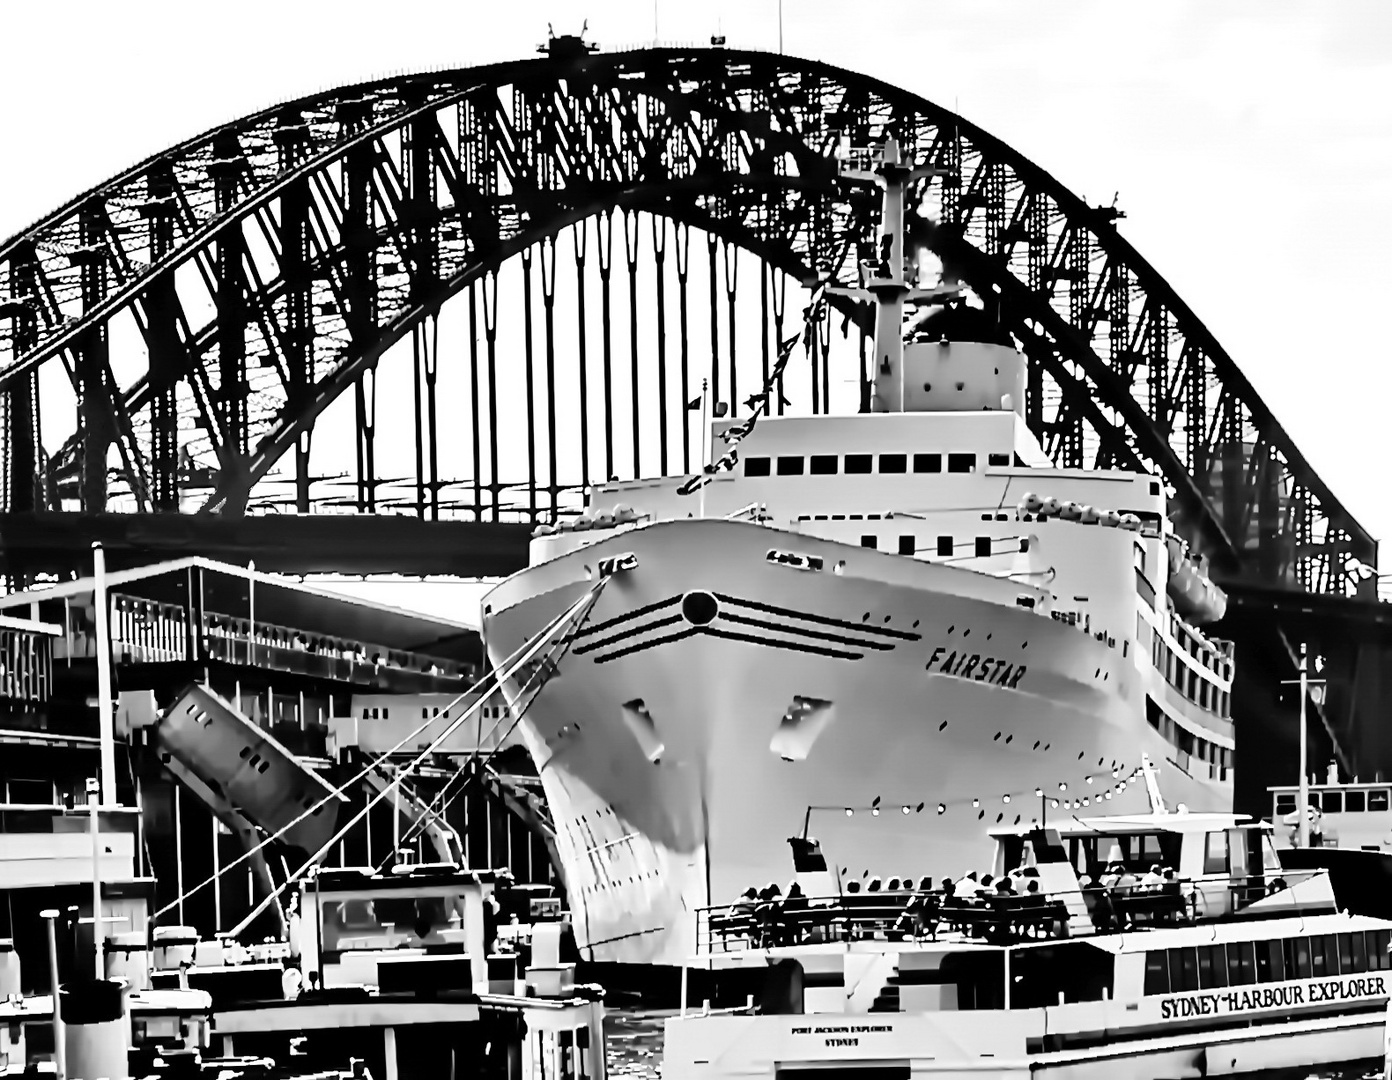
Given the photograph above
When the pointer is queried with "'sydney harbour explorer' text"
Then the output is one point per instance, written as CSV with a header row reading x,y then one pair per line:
x,y
1224,1002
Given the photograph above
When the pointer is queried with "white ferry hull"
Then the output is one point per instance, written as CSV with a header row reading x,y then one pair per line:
x,y
657,740
984,1044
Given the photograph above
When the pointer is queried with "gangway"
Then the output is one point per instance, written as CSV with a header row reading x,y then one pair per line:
x,y
529,806
240,826
242,767
415,815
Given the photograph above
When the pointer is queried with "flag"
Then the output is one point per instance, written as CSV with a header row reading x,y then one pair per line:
x,y
693,404
735,432
695,483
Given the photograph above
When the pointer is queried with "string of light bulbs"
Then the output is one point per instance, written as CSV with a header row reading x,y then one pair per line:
x,y
1060,796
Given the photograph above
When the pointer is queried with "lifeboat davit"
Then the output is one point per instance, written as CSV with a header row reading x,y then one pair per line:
x,y
1195,595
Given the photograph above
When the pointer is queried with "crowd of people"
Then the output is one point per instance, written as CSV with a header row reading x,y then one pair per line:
x,y
1012,905
977,904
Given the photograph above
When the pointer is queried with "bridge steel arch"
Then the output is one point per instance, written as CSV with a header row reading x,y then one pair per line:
x,y
270,262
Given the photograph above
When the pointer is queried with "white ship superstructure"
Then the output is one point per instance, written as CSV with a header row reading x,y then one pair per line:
x,y
907,614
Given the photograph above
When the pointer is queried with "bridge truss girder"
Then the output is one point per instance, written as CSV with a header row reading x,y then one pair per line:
x,y
269,264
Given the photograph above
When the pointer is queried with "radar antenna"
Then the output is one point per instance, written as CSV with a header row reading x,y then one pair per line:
x,y
883,279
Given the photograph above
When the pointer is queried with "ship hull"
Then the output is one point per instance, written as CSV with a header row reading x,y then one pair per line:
x,y
681,742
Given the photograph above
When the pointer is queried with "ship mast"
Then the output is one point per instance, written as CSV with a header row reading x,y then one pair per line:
x,y
884,281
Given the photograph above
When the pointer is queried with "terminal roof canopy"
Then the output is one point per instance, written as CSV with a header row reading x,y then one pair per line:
x,y
226,589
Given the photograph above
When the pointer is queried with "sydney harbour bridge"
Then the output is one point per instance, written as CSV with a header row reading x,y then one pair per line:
x,y
393,326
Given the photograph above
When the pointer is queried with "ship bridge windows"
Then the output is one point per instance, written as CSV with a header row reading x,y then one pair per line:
x,y
791,465
823,464
907,545
869,540
757,466
894,463
927,463
860,464
1001,460
944,546
961,463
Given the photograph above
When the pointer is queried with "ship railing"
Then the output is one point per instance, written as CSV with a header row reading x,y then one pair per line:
x,y
893,916
26,663
997,918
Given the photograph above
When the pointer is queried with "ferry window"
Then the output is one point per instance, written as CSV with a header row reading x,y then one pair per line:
x,y
1344,943
927,463
823,465
961,463
1285,803
1358,953
1242,963
998,459
1376,941
1332,802
790,466
1298,964
1075,971
1216,854
944,545
869,541
1270,961
893,463
756,466
1213,967
1355,802
1157,973
1319,958
859,463
1184,969
906,545
1377,801
983,547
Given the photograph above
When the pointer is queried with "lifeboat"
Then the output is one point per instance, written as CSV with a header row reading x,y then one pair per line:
x,y
1195,595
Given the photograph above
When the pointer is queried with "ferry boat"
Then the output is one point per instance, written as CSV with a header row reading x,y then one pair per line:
x,y
907,614
1227,966
1349,833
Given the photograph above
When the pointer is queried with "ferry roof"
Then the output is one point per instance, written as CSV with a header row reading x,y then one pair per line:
x,y
1176,822
279,600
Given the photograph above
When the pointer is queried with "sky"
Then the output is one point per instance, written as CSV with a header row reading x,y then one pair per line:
x,y
1249,143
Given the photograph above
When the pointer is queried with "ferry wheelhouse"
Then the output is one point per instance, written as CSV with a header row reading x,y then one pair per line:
x,y
1229,966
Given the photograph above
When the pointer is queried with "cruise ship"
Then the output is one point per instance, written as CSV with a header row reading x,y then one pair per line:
x,y
897,630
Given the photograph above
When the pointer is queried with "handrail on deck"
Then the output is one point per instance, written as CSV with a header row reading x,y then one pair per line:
x,y
915,915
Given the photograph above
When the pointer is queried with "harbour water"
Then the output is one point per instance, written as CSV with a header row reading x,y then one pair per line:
x,y
635,1044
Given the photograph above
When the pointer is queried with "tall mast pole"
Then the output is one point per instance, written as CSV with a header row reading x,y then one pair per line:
x,y
1304,808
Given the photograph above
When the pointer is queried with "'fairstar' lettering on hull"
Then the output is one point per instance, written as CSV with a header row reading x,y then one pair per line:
x,y
985,669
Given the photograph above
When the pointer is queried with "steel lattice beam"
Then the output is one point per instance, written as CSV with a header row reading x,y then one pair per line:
x,y
324,230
